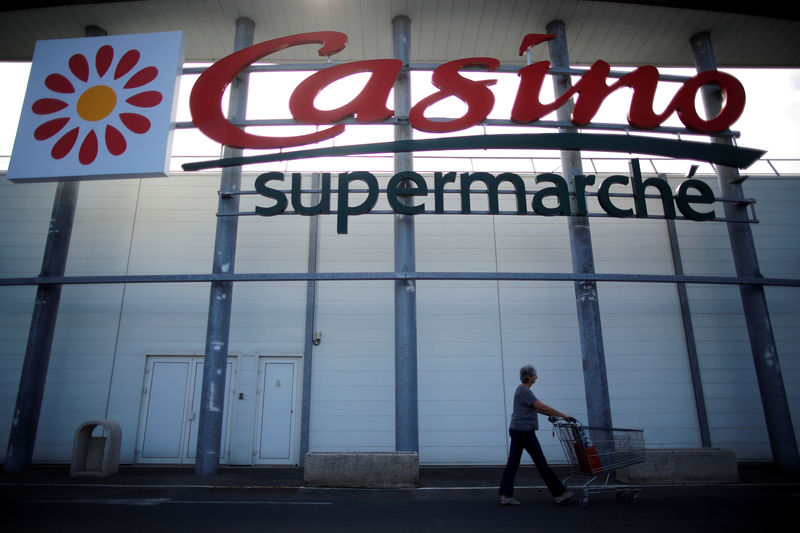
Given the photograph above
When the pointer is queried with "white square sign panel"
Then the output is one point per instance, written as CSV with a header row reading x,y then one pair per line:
x,y
99,108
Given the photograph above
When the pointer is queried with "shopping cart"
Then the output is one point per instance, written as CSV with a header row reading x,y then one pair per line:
x,y
596,452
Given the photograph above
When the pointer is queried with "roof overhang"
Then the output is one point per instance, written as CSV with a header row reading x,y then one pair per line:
x,y
621,33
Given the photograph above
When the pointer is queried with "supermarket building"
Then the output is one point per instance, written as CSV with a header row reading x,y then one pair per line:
x,y
214,314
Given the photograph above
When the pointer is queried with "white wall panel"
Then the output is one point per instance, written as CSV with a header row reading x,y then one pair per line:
x,y
732,397
460,358
175,234
778,246
473,336
539,319
90,316
82,355
24,218
352,396
353,376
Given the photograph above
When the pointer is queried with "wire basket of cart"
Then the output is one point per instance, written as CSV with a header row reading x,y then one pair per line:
x,y
596,452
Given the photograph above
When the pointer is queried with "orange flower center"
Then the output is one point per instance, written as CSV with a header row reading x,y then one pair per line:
x,y
97,103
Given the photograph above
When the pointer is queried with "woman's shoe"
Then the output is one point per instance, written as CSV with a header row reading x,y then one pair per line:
x,y
508,500
564,497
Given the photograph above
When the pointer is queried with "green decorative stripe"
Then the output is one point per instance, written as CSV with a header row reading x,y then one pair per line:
x,y
721,154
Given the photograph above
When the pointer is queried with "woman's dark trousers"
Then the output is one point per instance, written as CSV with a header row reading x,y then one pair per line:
x,y
526,440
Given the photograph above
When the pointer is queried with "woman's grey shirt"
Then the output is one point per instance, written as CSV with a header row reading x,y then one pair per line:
x,y
524,417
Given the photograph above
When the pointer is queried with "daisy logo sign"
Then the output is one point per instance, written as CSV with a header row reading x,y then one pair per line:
x,y
99,108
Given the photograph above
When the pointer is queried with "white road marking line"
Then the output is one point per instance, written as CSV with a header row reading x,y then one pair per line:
x,y
163,501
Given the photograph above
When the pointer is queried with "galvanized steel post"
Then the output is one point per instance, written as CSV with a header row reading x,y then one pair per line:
x,y
311,306
405,298
688,335
580,238
25,422
754,301
212,399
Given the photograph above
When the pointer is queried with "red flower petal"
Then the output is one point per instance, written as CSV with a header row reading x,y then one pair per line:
x,y
103,59
145,99
45,106
59,84
79,66
143,77
126,63
88,151
50,128
135,122
115,141
64,144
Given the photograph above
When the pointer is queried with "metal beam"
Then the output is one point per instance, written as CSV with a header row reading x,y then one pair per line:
x,y
754,301
405,290
688,333
25,422
595,380
311,306
565,140
391,276
209,428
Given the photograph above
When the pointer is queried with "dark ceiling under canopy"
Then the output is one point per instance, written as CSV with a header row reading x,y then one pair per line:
x,y
756,34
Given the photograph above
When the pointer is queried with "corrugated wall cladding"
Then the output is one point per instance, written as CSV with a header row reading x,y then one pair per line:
x,y
472,336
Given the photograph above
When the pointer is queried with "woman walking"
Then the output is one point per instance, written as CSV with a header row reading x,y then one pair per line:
x,y
524,423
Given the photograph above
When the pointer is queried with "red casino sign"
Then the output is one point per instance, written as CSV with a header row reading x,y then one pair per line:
x,y
369,105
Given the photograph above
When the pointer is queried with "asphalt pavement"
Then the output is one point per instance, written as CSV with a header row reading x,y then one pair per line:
x,y
463,499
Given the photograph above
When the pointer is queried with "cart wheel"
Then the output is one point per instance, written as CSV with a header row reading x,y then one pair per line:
x,y
633,497
584,501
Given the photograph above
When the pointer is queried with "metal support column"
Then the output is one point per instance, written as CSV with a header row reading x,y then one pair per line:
x,y
688,333
754,302
405,297
311,306
212,399
25,423
580,237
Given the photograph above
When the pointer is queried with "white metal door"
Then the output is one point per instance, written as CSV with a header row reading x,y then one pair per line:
x,y
276,410
171,408
164,411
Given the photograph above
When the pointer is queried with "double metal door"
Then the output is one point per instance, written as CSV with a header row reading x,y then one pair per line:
x,y
171,409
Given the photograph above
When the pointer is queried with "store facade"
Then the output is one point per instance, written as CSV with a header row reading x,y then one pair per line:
x,y
312,348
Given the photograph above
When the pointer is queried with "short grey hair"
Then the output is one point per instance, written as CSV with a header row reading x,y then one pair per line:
x,y
526,372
